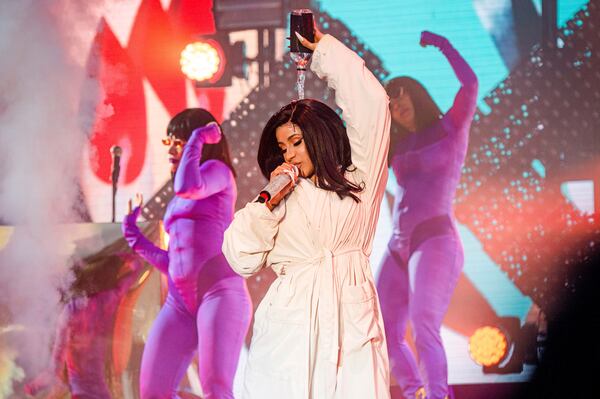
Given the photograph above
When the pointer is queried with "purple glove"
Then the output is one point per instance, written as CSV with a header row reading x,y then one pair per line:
x,y
431,39
130,230
141,245
209,134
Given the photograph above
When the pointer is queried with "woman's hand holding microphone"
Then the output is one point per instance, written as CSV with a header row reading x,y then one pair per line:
x,y
286,169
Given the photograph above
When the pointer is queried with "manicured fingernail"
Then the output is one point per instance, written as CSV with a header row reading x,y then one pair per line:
x,y
299,36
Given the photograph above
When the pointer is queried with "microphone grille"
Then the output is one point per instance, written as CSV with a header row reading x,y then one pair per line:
x,y
116,150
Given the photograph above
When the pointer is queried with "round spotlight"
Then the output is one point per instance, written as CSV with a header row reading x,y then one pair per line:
x,y
203,61
488,346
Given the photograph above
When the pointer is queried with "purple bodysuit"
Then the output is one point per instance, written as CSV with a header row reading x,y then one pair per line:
x,y
208,307
425,257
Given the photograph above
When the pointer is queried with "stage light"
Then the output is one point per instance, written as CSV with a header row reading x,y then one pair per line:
x,y
488,346
212,61
236,15
203,61
505,347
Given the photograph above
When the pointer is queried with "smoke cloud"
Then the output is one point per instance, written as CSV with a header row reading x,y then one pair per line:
x,y
44,46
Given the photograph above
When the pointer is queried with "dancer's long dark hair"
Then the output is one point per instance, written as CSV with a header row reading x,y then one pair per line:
x,y
98,272
426,110
183,124
326,141
102,271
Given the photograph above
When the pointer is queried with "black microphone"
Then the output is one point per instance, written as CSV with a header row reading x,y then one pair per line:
x,y
277,185
115,152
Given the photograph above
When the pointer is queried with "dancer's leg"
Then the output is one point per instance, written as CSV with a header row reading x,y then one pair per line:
x,y
223,320
394,296
168,351
434,270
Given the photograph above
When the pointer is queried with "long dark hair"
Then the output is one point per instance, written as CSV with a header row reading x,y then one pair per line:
x,y
183,124
426,110
103,270
326,141
99,272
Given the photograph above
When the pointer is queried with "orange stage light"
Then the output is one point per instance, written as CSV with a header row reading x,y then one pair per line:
x,y
488,346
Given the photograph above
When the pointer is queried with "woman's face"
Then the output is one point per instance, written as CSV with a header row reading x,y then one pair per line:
x,y
175,151
291,143
403,110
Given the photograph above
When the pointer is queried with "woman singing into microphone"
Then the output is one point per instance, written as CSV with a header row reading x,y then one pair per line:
x,y
424,259
318,332
208,306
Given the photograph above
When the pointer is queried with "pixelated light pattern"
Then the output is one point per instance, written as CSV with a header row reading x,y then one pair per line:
x,y
201,61
539,130
155,208
488,346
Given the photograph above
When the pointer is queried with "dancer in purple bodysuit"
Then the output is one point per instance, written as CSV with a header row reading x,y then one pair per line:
x,y
424,259
208,306
85,327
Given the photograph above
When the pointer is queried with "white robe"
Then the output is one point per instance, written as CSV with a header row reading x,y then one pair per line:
x,y
318,332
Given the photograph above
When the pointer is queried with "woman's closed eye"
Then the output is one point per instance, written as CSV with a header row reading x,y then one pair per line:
x,y
295,144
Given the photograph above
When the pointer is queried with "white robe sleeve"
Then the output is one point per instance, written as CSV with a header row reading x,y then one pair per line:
x,y
364,104
251,236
